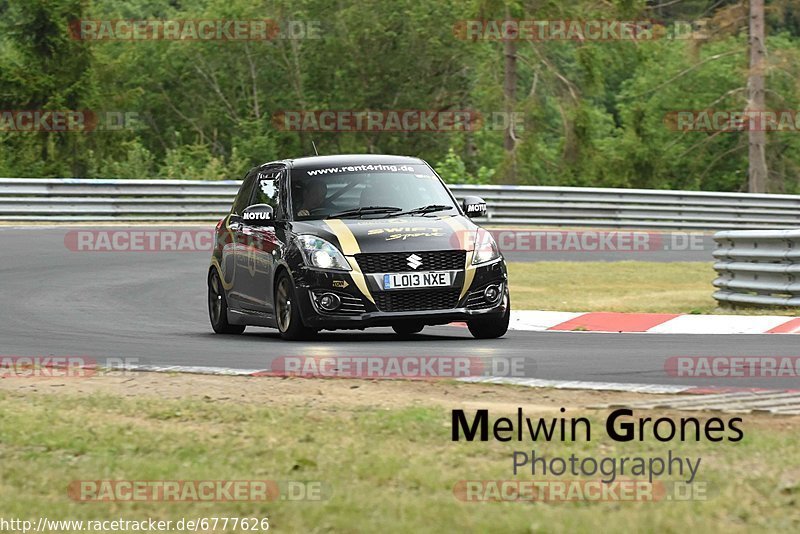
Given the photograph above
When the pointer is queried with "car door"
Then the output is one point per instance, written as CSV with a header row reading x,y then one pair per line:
x,y
233,252
259,245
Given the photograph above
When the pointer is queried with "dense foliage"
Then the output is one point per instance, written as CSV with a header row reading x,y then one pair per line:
x,y
592,111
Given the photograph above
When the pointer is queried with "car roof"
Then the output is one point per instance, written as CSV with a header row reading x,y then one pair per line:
x,y
313,162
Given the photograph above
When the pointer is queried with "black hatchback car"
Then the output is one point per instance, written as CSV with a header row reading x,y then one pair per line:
x,y
349,242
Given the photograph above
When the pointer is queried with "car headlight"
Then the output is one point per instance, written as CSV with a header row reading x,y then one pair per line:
x,y
485,248
319,253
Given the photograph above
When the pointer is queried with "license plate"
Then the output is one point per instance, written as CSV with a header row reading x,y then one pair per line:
x,y
412,280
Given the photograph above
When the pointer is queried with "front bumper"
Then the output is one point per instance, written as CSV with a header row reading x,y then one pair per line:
x,y
361,312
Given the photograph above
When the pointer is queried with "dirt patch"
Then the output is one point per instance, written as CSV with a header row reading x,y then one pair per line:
x,y
343,394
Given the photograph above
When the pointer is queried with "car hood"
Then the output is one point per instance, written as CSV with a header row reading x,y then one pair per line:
x,y
407,234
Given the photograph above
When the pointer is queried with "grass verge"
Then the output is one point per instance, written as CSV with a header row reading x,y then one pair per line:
x,y
383,450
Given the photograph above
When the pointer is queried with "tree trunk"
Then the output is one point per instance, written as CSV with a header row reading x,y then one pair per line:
x,y
757,172
510,99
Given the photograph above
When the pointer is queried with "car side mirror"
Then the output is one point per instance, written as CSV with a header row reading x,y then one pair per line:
x,y
474,206
259,215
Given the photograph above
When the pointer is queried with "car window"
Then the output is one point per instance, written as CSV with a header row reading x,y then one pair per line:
x,y
317,194
266,191
269,189
245,193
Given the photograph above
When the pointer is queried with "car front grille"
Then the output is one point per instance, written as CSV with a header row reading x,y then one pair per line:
x,y
397,262
417,300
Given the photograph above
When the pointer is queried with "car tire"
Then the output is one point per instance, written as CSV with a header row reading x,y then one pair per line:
x,y
218,307
407,329
491,327
287,313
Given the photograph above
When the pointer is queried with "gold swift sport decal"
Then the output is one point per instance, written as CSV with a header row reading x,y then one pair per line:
x,y
350,248
404,233
469,270
346,238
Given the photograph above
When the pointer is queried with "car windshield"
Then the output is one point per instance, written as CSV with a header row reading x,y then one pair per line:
x,y
368,191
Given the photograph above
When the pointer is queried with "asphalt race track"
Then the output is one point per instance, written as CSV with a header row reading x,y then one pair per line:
x,y
151,306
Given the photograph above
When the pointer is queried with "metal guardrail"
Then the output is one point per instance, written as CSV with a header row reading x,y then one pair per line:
x,y
759,268
72,199
32,199
635,208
